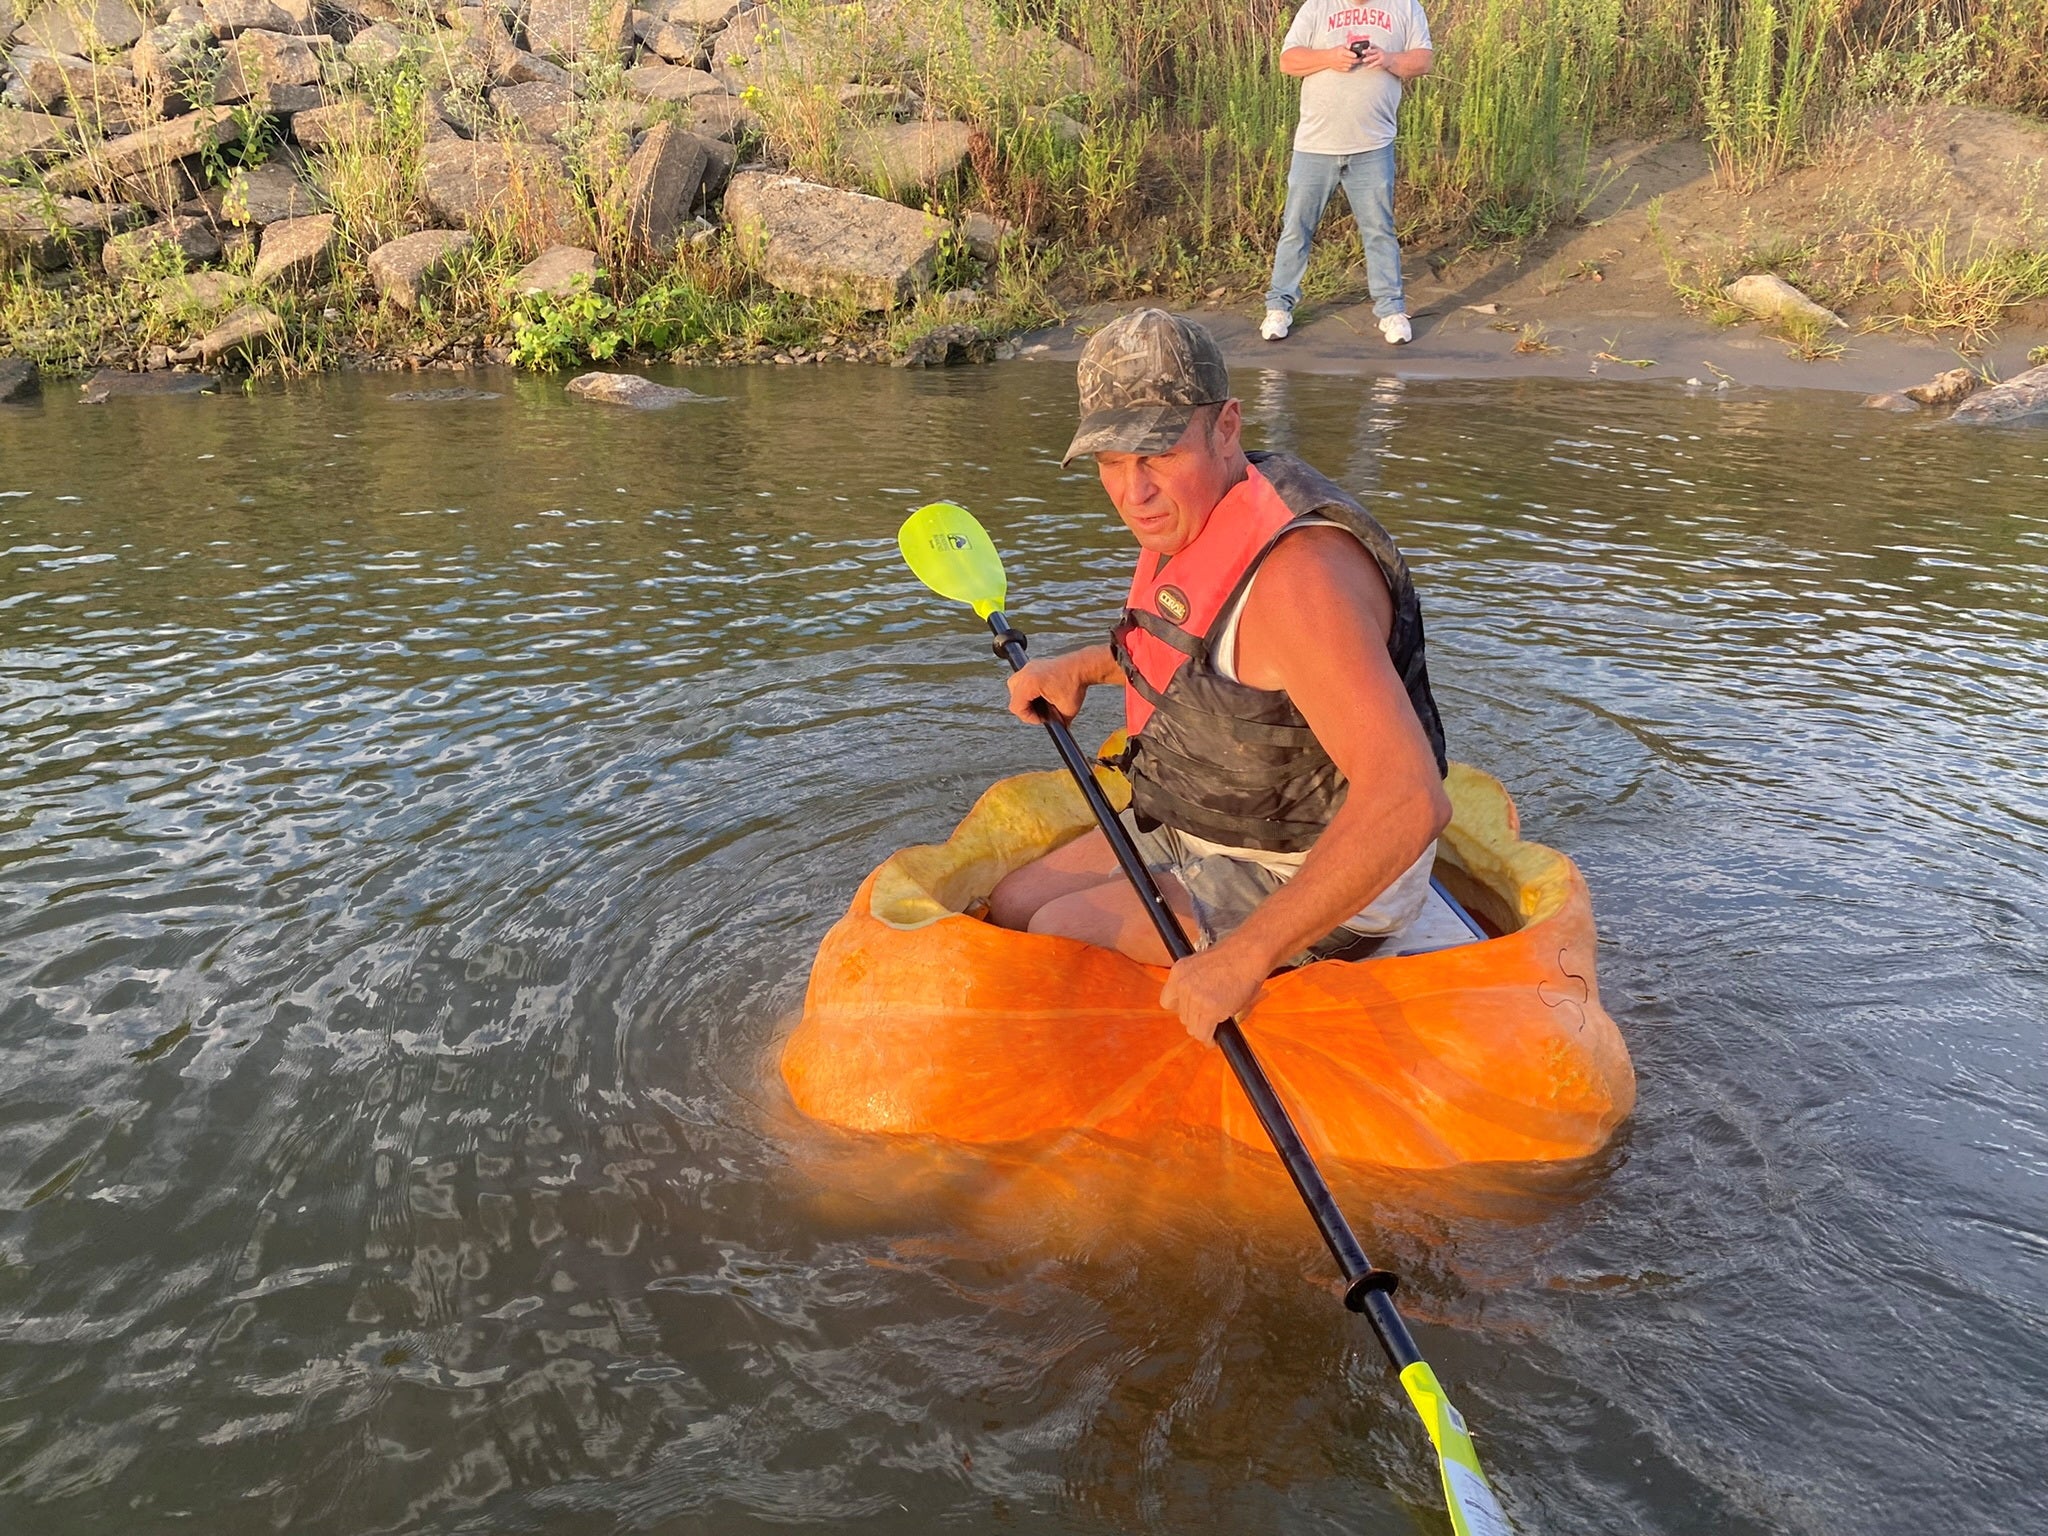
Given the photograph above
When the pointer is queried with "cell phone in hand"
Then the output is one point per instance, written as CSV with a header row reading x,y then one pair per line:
x,y
1360,47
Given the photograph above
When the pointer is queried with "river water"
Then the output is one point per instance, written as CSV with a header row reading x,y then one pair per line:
x,y
416,818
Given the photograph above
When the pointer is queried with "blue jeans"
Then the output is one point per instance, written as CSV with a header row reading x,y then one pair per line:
x,y
1368,182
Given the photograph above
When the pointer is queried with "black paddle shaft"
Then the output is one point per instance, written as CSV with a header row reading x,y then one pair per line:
x,y
1366,1289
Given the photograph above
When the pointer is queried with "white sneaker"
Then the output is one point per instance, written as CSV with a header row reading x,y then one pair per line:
x,y
1276,324
1397,329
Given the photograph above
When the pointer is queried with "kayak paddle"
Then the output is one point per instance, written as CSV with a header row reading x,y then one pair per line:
x,y
953,555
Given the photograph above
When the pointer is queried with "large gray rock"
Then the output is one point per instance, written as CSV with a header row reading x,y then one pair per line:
x,y
191,238
705,15
532,69
823,242
521,187
18,380
175,62
148,152
337,127
263,195
558,271
679,45
567,30
2019,398
230,17
631,390
900,157
256,65
662,182
81,27
295,250
66,83
33,137
378,46
1770,297
52,231
482,53
723,117
403,268
243,331
670,82
196,294
536,110
110,383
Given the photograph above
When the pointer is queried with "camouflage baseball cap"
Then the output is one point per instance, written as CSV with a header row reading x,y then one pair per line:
x,y
1142,378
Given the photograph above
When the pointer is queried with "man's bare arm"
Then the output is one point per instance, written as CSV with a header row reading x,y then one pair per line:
x,y
1313,61
1316,625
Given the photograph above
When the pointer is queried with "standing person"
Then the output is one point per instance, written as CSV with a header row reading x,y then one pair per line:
x,y
1351,60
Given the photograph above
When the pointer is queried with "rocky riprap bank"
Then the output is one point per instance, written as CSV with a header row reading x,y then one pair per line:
x,y
246,166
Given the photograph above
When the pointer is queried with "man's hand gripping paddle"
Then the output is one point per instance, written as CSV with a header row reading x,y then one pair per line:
x,y
953,555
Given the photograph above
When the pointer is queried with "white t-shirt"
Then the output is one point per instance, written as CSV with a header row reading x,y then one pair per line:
x,y
1346,112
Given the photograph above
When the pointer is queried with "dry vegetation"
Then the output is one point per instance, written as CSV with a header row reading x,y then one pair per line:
x,y
1136,150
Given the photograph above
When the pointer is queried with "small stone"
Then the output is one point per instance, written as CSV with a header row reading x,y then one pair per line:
x,y
156,359
985,234
1767,295
240,331
1949,388
110,383
867,100
295,249
632,390
192,238
1057,126
18,380
558,271
1886,402
945,344
402,268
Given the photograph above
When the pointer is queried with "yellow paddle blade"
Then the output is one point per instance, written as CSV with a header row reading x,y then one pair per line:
x,y
1473,1508
952,554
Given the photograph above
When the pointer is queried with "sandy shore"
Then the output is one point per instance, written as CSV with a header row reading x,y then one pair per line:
x,y
1456,342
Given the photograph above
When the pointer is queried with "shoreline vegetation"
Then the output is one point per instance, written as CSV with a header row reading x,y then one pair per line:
x,y
284,186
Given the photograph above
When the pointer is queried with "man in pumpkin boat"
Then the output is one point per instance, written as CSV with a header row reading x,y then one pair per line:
x,y
1286,758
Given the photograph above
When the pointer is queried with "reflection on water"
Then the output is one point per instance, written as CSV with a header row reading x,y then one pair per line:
x,y
416,818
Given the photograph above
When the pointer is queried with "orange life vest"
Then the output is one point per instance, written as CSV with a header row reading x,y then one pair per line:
x,y
1209,755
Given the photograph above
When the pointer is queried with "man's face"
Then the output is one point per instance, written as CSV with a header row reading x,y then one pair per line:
x,y
1165,498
